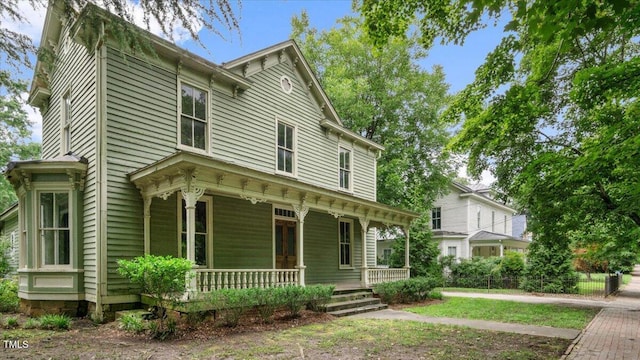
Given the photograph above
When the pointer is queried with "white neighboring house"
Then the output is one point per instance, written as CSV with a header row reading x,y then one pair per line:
x,y
468,222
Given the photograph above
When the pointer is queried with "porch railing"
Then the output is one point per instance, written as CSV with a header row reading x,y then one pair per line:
x,y
382,275
208,280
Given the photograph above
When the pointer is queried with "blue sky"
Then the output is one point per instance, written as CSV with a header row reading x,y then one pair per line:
x,y
266,22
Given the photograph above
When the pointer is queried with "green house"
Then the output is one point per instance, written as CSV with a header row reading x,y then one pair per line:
x,y
244,168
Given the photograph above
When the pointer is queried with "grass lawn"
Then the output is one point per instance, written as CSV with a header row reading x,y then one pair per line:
x,y
332,339
482,290
510,312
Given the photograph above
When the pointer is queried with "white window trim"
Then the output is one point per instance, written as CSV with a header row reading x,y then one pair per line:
x,y
208,200
350,149
294,165
455,249
351,230
207,138
439,218
66,122
479,216
505,225
40,246
493,221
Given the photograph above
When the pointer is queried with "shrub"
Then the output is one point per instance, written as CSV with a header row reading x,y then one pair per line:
x,y
317,296
549,267
131,323
31,323
435,295
232,304
5,267
406,291
267,301
294,299
163,278
512,264
11,322
9,300
55,322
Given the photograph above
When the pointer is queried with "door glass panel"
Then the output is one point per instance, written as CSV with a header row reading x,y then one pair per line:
x,y
291,240
201,217
201,249
279,234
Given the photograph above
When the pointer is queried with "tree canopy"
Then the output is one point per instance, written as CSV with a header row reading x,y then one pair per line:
x,y
554,110
385,96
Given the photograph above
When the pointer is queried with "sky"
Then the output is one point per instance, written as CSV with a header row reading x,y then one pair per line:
x,y
267,22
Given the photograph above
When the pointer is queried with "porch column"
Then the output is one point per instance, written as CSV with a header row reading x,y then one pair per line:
x,y
501,249
147,224
301,212
364,277
470,252
191,196
406,249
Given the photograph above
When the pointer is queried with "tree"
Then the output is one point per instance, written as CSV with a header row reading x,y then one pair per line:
x,y
14,130
386,97
553,112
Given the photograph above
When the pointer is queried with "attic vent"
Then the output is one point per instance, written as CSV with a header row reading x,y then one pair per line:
x,y
286,84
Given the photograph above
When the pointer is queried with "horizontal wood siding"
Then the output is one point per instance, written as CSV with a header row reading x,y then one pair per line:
x,y
11,233
242,234
141,127
164,226
321,250
75,71
371,248
244,132
364,181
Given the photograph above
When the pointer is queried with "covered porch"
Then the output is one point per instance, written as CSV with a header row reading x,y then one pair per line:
x,y
244,228
487,244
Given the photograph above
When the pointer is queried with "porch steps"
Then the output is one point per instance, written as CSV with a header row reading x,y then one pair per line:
x,y
351,302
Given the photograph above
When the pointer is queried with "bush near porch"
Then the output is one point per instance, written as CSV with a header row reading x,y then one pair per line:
x,y
407,291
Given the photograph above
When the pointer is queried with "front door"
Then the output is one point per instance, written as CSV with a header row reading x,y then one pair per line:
x,y
285,244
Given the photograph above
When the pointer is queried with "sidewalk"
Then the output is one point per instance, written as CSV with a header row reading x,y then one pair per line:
x,y
613,334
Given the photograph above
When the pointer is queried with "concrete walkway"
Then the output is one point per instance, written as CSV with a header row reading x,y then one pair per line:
x,y
547,331
612,334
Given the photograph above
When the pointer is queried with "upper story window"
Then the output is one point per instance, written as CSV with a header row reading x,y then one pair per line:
x,y
345,168
493,221
66,123
193,117
286,149
505,224
54,230
478,215
436,218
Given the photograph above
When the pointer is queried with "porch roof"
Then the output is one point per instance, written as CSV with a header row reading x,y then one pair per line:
x,y
487,237
187,171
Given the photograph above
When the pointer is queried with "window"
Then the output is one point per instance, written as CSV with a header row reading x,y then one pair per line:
x,y
345,168
452,251
54,228
202,231
436,219
285,148
14,244
386,254
493,221
193,117
346,242
478,210
505,224
66,123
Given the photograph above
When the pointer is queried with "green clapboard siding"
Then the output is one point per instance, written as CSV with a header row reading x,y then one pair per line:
x,y
242,234
141,128
11,233
321,250
75,71
164,226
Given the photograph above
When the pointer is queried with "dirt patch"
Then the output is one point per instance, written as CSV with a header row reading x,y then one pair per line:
x,y
310,336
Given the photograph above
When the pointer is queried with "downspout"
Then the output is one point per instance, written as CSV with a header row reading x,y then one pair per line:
x,y
101,174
